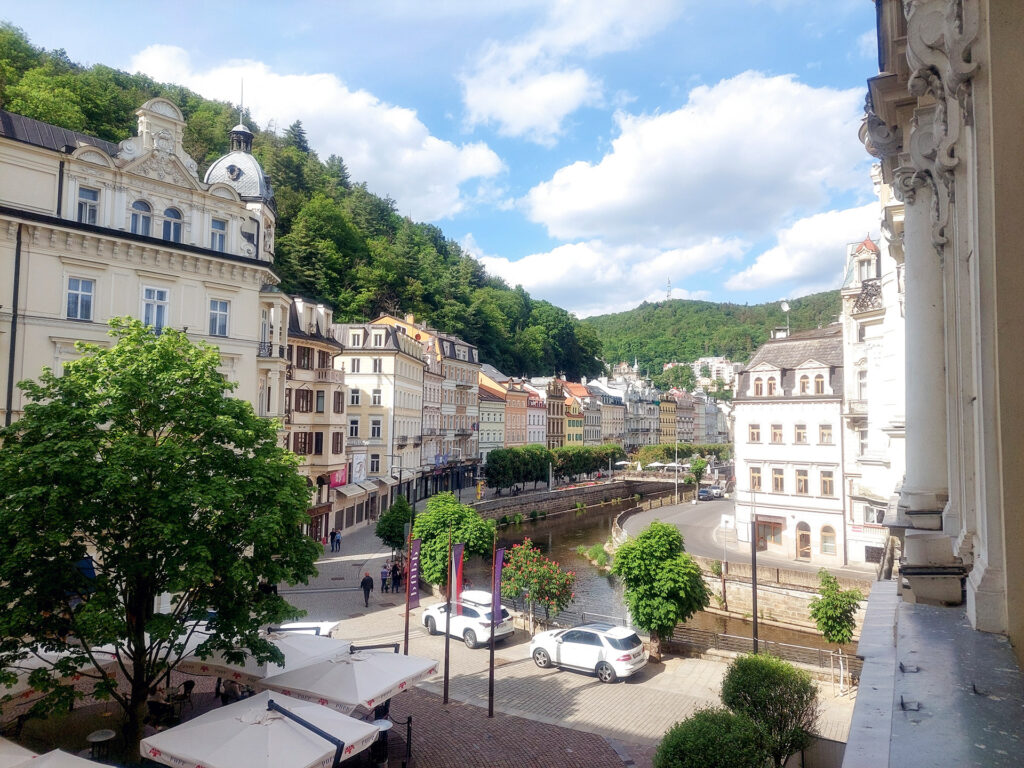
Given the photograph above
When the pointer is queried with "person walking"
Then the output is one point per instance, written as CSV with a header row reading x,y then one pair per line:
x,y
385,573
396,577
367,586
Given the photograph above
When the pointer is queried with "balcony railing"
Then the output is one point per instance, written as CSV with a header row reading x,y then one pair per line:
x,y
267,349
330,375
856,407
430,430
402,440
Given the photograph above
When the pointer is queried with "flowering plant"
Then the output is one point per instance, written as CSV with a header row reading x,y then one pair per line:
x,y
527,572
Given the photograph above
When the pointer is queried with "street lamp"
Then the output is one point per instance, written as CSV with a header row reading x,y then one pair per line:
x,y
785,309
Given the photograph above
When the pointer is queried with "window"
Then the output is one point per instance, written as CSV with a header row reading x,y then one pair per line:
x,y
353,397
302,443
320,398
862,332
354,368
778,483
805,385
758,387
356,339
323,359
375,397
318,443
819,385
776,433
825,434
218,317
80,292
378,365
754,433
339,401
304,358
801,482
172,227
863,441
800,434
827,485
828,540
755,478
154,307
303,400
337,442
771,386
768,533
866,269
378,339
88,205
218,234
862,385
375,427
375,462
353,427
142,219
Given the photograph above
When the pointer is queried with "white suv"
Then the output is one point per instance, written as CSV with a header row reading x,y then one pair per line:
x,y
610,652
473,623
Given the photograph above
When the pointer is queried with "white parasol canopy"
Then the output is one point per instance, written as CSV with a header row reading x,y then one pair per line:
x,y
655,464
623,463
362,679
247,735
22,688
12,754
55,759
299,650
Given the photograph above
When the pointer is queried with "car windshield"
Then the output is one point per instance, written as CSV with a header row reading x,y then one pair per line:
x,y
504,614
623,643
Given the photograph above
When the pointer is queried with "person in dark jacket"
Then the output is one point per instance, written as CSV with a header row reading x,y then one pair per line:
x,y
367,586
396,577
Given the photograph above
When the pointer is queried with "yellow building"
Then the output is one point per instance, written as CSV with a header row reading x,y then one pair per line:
x,y
668,419
573,421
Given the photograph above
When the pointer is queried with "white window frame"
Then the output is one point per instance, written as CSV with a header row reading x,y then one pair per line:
x,y
374,462
141,220
220,316
172,228
378,365
353,426
218,234
88,211
375,396
160,302
354,396
354,365
78,292
376,427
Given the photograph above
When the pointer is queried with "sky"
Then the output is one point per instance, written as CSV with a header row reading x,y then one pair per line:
x,y
600,153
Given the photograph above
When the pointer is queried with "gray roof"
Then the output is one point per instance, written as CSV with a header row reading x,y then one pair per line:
x,y
243,172
493,373
40,134
822,344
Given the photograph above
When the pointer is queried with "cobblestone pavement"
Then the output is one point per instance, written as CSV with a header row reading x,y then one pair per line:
x,y
630,717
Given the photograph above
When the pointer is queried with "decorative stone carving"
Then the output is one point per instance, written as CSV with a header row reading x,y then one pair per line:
x,y
880,139
128,149
163,166
91,156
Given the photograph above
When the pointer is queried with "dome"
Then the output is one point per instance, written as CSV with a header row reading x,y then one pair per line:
x,y
243,172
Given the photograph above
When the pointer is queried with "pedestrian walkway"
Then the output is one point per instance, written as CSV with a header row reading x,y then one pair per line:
x,y
629,717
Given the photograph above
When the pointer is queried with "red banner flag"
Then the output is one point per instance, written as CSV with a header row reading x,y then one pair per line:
x,y
457,552
499,561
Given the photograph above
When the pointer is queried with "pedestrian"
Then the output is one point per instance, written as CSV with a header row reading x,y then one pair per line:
x,y
367,586
337,540
396,577
385,573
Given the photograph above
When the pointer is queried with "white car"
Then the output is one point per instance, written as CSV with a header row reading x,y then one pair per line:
x,y
473,623
608,651
716,491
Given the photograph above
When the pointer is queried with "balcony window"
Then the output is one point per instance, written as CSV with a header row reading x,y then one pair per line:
x,y
778,483
80,295
88,205
142,218
218,317
218,234
172,227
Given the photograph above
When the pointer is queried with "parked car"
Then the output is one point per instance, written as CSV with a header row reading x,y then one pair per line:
x,y
470,620
716,491
608,651
704,494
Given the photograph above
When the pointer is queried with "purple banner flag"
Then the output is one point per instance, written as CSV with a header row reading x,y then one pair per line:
x,y
499,562
456,577
414,575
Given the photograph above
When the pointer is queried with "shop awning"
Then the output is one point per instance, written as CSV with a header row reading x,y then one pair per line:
x,y
774,519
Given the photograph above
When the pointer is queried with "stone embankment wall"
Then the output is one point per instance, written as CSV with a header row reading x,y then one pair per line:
x,y
566,499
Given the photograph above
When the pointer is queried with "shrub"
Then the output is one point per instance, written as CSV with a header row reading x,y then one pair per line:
x,y
518,518
711,738
533,514
716,568
503,520
581,551
580,505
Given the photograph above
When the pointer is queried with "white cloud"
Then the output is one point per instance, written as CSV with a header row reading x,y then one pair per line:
x,y
809,255
867,44
739,157
528,87
384,145
593,277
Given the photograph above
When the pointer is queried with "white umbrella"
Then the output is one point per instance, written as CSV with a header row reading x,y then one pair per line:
x,y
55,759
363,679
655,464
12,754
299,650
248,735
22,688
623,463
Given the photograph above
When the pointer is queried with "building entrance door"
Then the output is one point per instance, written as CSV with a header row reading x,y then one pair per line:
x,y
803,541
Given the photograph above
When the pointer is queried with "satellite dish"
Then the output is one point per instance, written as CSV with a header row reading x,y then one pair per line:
x,y
785,306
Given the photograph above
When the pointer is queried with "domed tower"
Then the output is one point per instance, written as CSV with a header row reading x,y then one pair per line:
x,y
242,172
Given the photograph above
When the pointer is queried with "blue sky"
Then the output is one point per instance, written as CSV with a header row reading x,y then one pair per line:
x,y
589,150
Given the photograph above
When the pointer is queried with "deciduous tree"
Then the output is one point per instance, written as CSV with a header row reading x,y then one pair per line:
x,y
391,525
444,513
528,573
834,611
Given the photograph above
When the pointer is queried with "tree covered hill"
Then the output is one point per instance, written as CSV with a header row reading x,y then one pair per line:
x,y
680,330
337,242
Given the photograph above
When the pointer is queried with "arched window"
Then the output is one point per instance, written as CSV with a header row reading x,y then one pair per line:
x,y
141,218
758,387
771,386
828,540
819,385
172,225
805,385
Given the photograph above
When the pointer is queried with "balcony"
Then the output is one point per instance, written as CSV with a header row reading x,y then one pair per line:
x,y
430,430
267,350
856,408
870,297
402,440
463,431
330,375
463,385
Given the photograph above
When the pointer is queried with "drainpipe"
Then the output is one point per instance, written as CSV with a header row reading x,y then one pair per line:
x,y
60,187
14,327
842,485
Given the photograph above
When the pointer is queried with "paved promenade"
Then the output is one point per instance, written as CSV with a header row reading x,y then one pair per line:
x,y
627,719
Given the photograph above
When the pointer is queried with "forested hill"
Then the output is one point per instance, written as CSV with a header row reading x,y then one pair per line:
x,y
682,331
337,242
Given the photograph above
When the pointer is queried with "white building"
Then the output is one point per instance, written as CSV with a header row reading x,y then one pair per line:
x,y
873,414
788,450
492,420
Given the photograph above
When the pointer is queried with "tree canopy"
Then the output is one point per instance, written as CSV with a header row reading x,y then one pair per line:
x,y
137,458
444,513
834,610
711,738
391,525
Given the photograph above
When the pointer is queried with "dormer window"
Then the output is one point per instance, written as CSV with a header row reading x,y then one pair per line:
x,y
356,339
865,269
142,218
771,386
819,385
172,225
758,387
805,385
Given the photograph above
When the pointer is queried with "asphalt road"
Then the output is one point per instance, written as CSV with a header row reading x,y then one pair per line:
x,y
702,535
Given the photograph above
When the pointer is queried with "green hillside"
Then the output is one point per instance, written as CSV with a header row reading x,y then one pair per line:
x,y
682,331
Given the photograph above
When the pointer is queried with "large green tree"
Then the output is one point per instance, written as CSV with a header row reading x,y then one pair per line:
x,y
444,515
138,457
529,574
664,585
834,611
391,525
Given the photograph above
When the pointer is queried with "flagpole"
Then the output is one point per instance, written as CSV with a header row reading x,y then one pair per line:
x,y
408,576
447,613
494,617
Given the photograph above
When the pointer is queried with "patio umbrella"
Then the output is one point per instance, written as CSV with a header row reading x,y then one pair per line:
x,y
299,650
12,754
55,759
363,679
22,688
623,463
248,735
655,464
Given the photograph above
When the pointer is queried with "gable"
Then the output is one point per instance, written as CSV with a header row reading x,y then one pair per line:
x,y
163,166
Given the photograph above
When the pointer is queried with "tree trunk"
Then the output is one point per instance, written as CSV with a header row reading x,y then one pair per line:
x,y
655,656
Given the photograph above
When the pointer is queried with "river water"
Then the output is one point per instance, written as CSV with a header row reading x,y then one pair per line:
x,y
599,595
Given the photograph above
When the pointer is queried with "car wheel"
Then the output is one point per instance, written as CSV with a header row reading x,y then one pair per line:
x,y
605,673
431,626
470,638
541,658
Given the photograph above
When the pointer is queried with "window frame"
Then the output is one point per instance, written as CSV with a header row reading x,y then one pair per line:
x,y
161,306
376,427
778,480
776,434
218,236
354,396
376,397
828,483
378,365
374,463
828,534
754,433
78,293
800,434
755,479
172,226
88,210
803,482
824,430
140,222
819,384
220,316
353,426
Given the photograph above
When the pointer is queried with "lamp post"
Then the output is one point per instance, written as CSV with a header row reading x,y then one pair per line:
x,y
753,563
785,309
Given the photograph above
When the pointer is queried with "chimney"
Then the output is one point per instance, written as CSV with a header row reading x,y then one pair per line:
x,y
410,319
780,333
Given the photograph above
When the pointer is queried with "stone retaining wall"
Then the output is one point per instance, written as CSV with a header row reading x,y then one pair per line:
x,y
565,499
